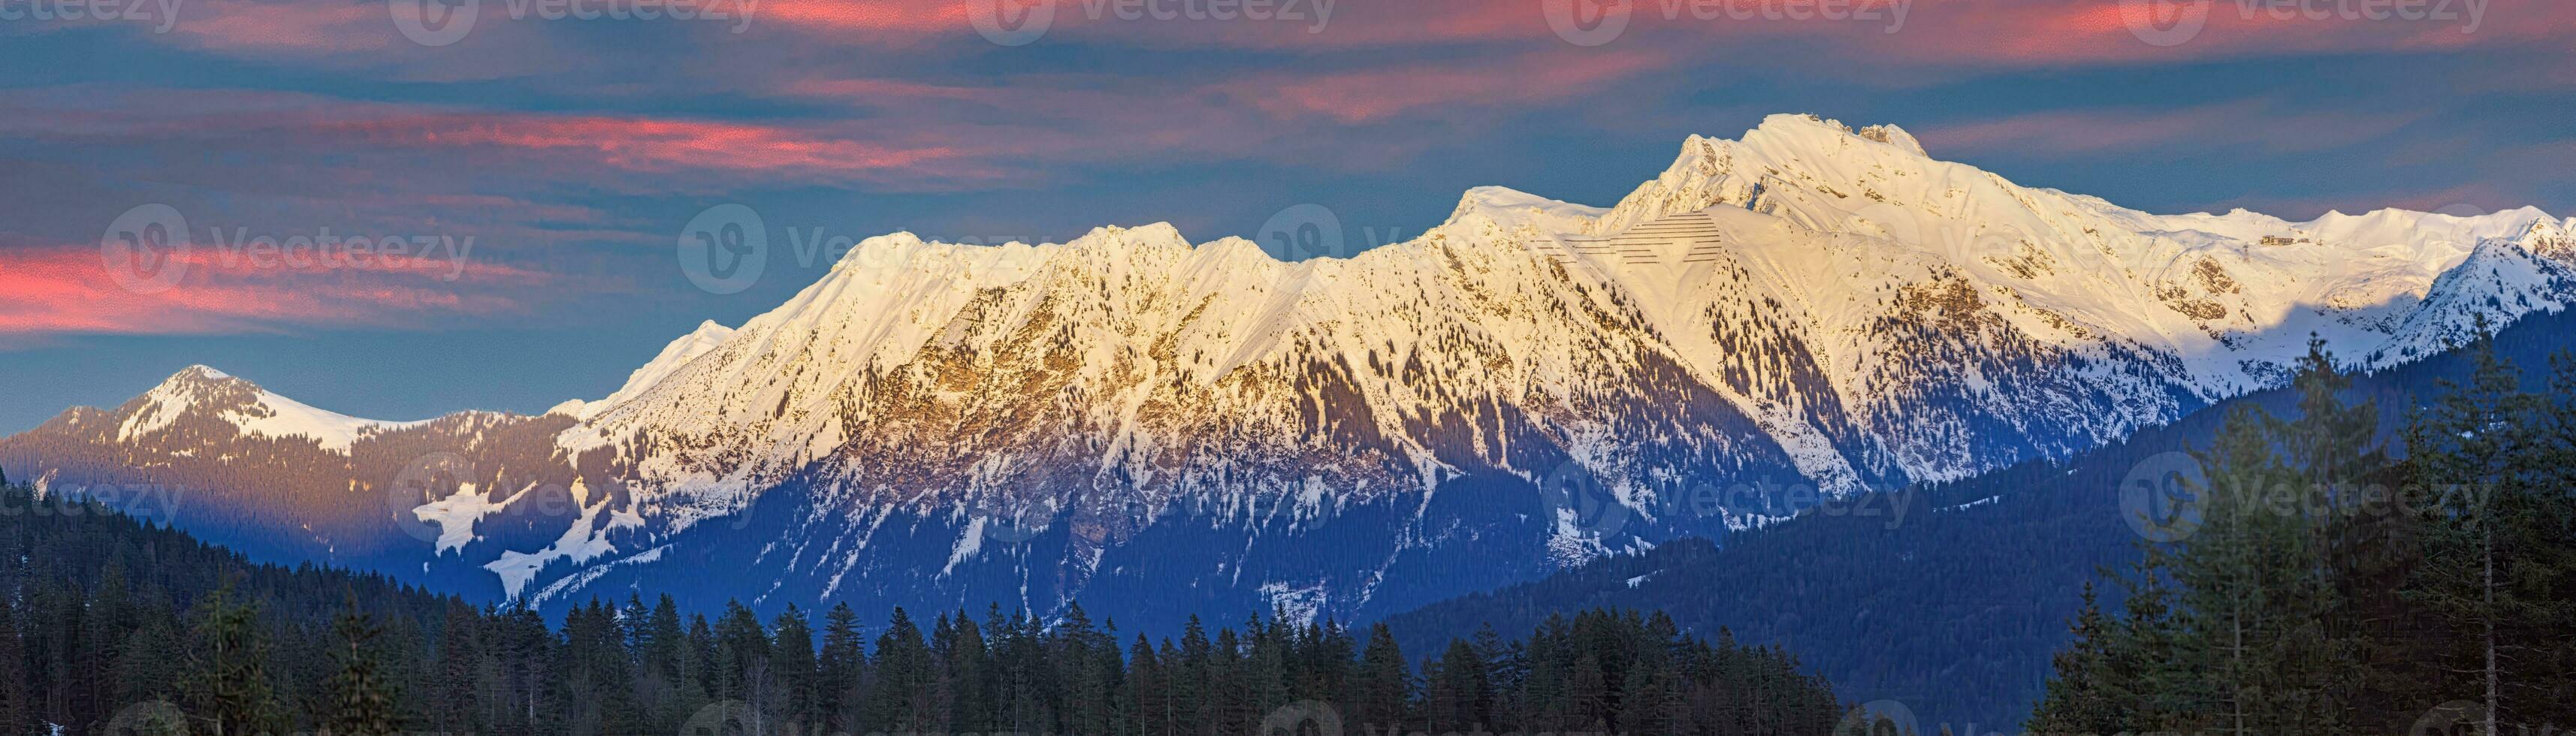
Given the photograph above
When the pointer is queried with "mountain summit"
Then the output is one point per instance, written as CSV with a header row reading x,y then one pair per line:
x,y
1528,385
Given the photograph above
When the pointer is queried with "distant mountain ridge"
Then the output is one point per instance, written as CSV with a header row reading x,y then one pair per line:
x,y
1130,414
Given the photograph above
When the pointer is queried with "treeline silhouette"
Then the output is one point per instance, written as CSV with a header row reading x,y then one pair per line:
x,y
2318,583
113,625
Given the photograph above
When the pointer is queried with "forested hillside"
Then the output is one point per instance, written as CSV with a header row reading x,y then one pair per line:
x,y
116,626
1945,598
2322,587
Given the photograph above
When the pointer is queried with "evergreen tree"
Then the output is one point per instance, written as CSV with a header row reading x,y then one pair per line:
x,y
363,702
228,682
795,670
838,669
1456,693
1385,682
2496,567
2079,698
13,693
900,696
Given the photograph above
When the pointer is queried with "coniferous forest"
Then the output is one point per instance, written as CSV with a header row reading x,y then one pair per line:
x,y
2326,582
2319,575
114,626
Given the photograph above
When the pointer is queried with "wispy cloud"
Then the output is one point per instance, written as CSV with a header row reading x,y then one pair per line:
x,y
661,145
66,290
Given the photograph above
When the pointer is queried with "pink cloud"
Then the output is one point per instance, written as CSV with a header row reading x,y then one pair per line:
x,y
54,290
898,20
256,27
1976,34
661,145
2083,32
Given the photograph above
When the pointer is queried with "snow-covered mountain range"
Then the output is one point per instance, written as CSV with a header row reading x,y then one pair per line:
x,y
1156,425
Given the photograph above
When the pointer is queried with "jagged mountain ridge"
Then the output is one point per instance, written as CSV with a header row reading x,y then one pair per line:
x,y
1808,302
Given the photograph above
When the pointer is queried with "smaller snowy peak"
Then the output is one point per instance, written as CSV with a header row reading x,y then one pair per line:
x,y
2548,239
186,391
1490,199
2499,276
1510,208
200,392
688,347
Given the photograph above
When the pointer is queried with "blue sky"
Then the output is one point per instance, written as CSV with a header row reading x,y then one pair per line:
x,y
540,171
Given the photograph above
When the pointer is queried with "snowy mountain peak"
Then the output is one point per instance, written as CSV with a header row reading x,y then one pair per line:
x,y
214,398
2549,239
198,372
678,353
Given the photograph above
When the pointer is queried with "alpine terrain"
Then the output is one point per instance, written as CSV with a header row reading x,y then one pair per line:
x,y
1158,427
